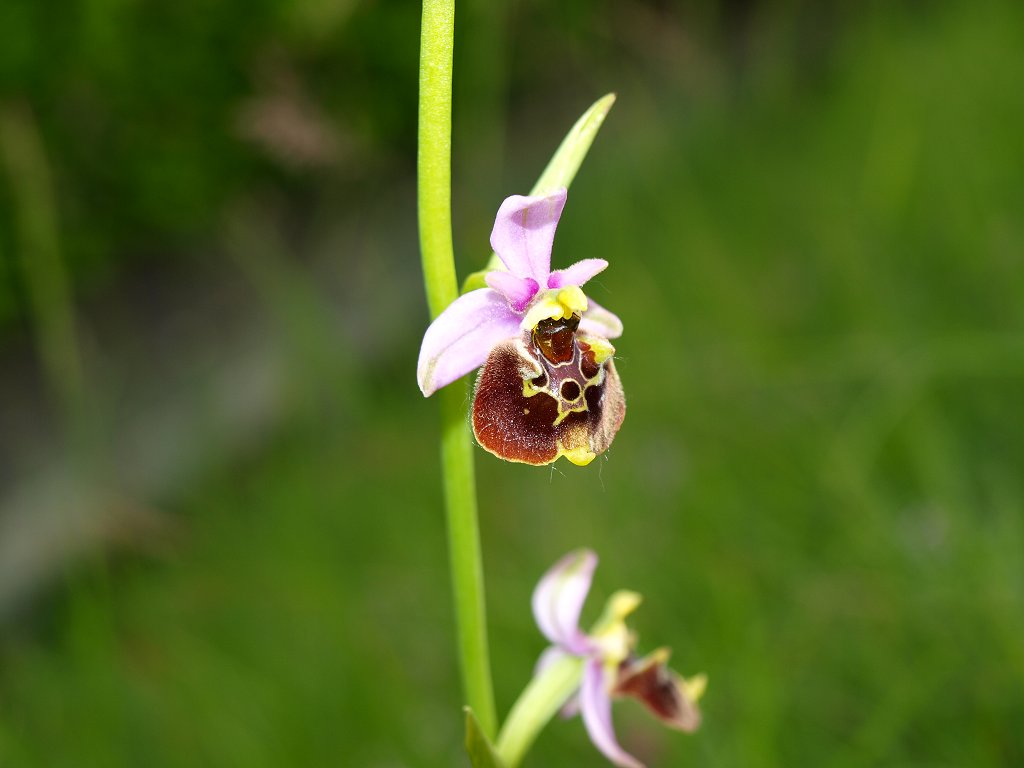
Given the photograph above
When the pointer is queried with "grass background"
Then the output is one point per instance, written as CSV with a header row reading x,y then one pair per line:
x,y
815,230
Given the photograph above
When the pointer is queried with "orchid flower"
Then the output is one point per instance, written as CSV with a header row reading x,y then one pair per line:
x,y
610,668
549,386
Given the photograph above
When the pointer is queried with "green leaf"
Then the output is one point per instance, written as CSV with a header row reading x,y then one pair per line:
x,y
560,171
569,156
478,746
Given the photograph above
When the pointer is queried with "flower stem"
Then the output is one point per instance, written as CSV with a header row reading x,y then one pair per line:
x,y
435,224
537,704
464,553
434,154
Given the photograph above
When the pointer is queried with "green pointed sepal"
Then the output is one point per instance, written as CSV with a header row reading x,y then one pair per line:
x,y
478,746
560,171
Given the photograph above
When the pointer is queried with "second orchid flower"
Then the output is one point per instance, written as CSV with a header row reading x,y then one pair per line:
x,y
611,669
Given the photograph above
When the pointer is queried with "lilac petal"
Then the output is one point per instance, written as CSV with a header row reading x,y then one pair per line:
x,y
558,600
524,230
460,338
576,274
596,705
598,321
517,290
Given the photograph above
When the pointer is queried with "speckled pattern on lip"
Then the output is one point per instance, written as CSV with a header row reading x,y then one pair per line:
x,y
531,409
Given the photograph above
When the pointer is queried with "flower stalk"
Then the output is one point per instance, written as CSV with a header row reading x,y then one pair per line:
x,y
437,252
539,702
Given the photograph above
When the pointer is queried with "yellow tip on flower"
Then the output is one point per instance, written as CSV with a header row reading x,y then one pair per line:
x,y
618,607
611,633
555,304
623,603
580,455
659,656
694,687
572,300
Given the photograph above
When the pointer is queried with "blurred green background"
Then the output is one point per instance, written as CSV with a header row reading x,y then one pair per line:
x,y
221,535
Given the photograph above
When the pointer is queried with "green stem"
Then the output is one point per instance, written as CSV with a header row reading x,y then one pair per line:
x,y
435,224
464,552
434,154
538,703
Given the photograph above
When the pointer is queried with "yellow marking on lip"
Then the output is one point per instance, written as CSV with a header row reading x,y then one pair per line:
x,y
556,304
600,347
529,390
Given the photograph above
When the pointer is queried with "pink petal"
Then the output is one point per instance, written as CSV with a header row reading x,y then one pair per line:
x,y
460,338
576,274
558,600
598,321
517,290
596,705
524,230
